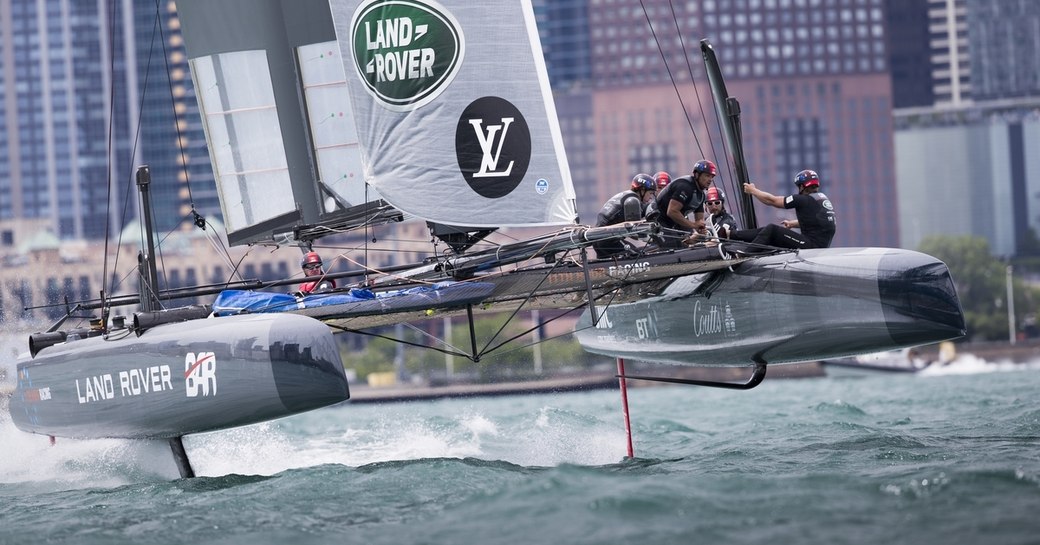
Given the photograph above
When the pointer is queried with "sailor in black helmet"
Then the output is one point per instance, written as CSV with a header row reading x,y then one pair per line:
x,y
813,210
625,206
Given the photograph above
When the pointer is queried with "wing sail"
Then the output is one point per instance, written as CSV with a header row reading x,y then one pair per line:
x,y
455,118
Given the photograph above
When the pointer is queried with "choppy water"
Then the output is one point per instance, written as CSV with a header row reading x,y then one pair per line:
x,y
948,458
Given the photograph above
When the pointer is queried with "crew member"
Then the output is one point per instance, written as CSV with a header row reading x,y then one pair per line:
x,y
312,269
724,222
628,205
813,211
680,197
663,179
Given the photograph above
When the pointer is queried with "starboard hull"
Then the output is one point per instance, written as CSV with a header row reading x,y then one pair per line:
x,y
812,305
180,378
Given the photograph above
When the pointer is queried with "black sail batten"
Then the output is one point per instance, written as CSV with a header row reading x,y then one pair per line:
x,y
728,110
375,212
458,238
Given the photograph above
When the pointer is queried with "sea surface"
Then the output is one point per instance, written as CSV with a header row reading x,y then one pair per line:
x,y
945,458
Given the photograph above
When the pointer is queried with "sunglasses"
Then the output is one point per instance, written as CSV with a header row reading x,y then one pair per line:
x,y
312,267
711,203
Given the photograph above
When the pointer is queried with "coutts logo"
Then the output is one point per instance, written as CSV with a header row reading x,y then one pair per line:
x,y
406,51
493,146
711,319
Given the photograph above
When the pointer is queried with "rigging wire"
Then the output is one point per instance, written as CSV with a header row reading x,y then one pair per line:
x,y
109,170
498,351
729,180
443,341
519,307
671,76
400,341
132,158
700,103
219,248
495,351
159,260
199,221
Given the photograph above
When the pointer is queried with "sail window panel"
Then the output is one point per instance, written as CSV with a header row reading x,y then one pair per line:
x,y
342,174
328,109
244,142
240,118
331,124
234,81
321,63
248,199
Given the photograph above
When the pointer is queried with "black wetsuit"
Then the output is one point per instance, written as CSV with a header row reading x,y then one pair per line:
x,y
683,189
613,212
815,215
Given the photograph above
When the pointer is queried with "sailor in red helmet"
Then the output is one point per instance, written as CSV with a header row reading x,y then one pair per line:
x,y
680,197
663,179
724,223
312,269
628,205
813,210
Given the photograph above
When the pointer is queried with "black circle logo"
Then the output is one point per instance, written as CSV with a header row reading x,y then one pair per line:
x,y
493,146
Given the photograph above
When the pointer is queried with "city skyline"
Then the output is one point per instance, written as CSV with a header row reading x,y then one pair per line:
x,y
89,92
595,49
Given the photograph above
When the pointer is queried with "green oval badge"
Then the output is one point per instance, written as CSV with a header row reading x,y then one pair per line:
x,y
406,51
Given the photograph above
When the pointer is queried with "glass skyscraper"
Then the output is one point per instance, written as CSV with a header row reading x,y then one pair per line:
x,y
974,134
79,78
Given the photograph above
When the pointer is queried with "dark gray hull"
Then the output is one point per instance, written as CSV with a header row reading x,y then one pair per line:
x,y
180,378
813,305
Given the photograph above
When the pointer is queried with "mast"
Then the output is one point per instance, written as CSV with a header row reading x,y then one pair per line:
x,y
728,110
146,263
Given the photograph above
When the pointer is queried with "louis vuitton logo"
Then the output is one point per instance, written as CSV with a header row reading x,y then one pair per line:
x,y
491,148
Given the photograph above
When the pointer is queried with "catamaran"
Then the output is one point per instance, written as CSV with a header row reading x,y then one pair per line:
x,y
323,118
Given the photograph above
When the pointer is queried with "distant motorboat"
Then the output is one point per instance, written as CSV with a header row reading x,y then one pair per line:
x,y
905,361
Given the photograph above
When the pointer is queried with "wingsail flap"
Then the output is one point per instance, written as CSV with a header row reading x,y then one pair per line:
x,y
455,117
728,111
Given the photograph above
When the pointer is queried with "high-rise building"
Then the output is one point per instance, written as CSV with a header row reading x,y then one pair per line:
x,y
1004,45
563,29
974,136
909,52
755,39
949,51
55,108
969,171
975,50
78,80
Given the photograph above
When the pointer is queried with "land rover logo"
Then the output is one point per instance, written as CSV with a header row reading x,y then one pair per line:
x,y
493,146
406,51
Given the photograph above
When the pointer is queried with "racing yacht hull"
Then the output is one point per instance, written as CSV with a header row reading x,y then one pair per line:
x,y
783,308
179,378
